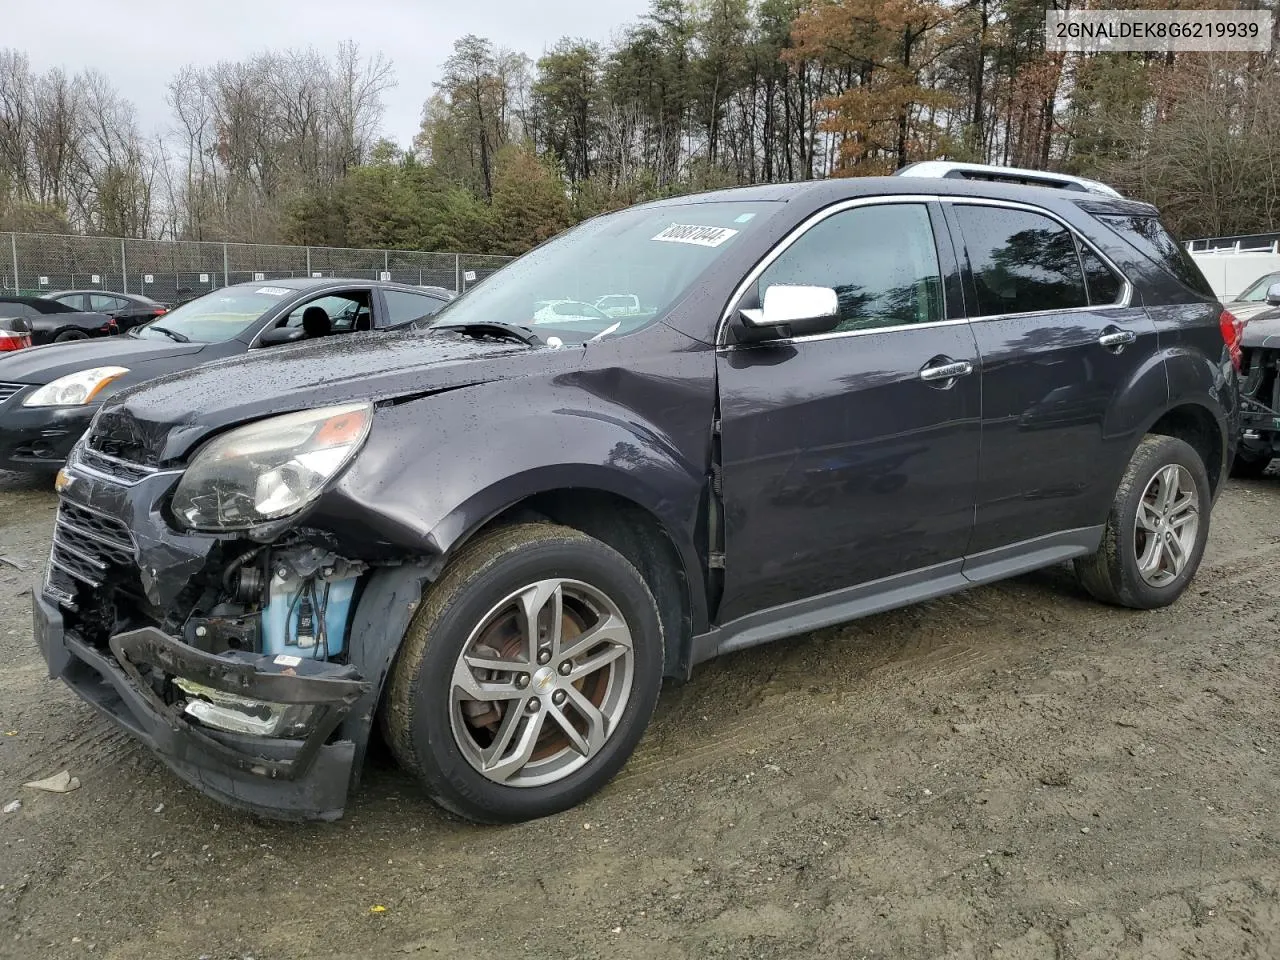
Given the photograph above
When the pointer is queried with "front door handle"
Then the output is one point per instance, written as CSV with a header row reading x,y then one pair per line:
x,y
944,368
1113,338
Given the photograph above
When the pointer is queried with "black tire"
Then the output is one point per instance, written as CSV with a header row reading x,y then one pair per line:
x,y
67,335
1247,466
1112,575
417,708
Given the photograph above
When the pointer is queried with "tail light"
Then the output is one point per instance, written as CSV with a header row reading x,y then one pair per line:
x,y
10,341
160,312
111,327
1232,333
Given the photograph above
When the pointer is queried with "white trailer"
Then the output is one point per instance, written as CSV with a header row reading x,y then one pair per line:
x,y
1231,264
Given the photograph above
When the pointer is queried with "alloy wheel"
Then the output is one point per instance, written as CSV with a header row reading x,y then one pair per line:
x,y
541,683
1166,526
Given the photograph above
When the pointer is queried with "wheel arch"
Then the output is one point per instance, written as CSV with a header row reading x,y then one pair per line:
x,y
640,536
1195,424
667,560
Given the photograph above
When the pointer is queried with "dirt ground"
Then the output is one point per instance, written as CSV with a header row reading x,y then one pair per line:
x,y
1011,773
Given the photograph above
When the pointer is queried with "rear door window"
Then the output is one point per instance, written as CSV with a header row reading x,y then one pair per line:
x,y
1022,262
105,304
1104,286
404,307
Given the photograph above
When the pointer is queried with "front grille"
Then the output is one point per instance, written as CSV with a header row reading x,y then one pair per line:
x,y
127,450
7,390
117,434
113,468
87,546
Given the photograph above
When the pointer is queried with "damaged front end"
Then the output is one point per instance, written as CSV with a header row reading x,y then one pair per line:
x,y
1260,403
227,651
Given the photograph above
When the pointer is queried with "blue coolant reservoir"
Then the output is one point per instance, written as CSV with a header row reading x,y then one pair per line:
x,y
307,618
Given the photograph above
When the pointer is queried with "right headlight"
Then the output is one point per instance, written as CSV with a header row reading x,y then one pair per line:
x,y
269,469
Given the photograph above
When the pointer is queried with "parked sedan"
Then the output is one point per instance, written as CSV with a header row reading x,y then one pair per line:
x,y
53,322
1253,300
50,395
129,310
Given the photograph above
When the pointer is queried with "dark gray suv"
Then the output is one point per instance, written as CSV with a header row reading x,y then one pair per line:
x,y
495,534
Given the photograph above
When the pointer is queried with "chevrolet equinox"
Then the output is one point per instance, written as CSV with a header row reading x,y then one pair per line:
x,y
494,535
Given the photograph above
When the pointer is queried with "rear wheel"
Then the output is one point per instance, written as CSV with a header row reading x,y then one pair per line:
x,y
527,676
68,335
1156,530
1249,466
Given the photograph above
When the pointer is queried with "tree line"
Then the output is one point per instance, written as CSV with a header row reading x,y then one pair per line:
x,y
284,146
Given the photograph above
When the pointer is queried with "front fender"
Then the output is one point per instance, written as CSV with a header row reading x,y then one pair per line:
x,y
434,470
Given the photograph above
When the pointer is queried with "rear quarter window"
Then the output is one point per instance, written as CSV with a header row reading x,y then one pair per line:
x,y
1150,237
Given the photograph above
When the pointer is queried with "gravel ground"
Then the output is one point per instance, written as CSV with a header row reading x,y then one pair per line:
x,y
1015,772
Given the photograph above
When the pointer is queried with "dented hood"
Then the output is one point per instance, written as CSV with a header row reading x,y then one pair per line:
x,y
161,419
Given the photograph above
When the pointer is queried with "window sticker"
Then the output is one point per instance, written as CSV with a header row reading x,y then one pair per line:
x,y
273,291
698,236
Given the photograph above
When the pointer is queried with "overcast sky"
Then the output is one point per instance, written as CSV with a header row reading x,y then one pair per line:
x,y
140,44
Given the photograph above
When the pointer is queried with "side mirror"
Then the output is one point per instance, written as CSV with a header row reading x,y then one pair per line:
x,y
1273,295
279,335
794,310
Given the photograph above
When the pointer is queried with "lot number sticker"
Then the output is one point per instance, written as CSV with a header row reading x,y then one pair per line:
x,y
273,291
699,236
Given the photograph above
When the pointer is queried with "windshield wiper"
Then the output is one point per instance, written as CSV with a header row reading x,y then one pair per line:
x,y
606,331
494,328
171,334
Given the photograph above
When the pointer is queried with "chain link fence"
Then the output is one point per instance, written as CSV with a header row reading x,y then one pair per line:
x,y
172,271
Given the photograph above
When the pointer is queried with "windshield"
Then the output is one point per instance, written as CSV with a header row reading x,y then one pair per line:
x,y
1258,292
221,315
620,271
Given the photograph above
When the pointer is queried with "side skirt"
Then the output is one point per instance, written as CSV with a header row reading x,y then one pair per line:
x,y
900,590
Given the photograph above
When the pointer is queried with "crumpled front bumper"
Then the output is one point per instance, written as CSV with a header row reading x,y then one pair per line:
x,y
284,779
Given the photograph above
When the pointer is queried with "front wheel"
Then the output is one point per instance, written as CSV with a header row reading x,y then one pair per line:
x,y
527,676
1156,531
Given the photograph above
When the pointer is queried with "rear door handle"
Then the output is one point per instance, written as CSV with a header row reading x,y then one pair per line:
x,y
945,369
1116,337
